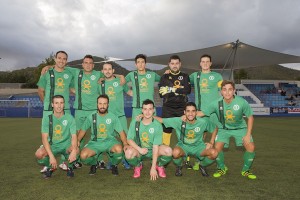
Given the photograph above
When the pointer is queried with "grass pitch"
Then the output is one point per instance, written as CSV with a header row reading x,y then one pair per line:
x,y
276,166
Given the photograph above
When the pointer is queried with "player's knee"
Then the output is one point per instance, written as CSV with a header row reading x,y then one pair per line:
x,y
213,154
176,152
250,147
129,153
117,148
83,155
39,154
165,150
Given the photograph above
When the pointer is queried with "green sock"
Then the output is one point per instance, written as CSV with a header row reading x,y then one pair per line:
x,y
62,159
134,161
116,158
178,161
206,161
90,161
163,160
44,161
220,160
248,160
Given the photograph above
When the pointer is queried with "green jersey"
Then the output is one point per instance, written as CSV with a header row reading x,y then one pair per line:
x,y
209,85
193,133
149,135
145,85
105,126
232,113
115,91
62,82
62,128
89,88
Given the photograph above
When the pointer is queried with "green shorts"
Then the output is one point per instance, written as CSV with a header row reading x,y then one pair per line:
x,y
101,146
192,150
47,112
60,148
80,117
147,156
224,136
123,121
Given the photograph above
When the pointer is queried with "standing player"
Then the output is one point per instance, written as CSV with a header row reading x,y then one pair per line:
x,y
56,81
58,137
145,140
174,88
230,110
103,125
207,86
190,138
113,88
142,84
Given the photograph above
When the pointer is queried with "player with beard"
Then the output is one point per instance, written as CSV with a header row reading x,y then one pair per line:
x,y
174,88
189,133
103,125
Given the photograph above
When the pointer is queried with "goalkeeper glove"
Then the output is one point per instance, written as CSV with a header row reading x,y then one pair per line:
x,y
166,90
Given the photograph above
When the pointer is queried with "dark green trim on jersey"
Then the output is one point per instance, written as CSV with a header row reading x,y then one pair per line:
x,y
136,79
80,75
198,89
52,87
137,132
103,87
50,128
95,126
182,131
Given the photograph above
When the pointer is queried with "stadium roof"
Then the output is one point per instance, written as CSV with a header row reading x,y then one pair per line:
x,y
228,56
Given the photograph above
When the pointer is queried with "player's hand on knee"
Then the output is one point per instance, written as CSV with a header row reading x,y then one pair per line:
x,y
53,162
208,145
246,139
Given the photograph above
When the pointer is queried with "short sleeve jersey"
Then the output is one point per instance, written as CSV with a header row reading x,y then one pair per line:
x,y
193,134
62,84
89,88
106,126
62,127
115,92
149,135
233,112
210,84
145,84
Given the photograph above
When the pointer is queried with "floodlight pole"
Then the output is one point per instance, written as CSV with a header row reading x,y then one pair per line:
x,y
233,51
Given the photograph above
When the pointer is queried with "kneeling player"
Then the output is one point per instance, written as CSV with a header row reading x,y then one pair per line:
x,y
103,125
190,138
230,110
145,140
58,137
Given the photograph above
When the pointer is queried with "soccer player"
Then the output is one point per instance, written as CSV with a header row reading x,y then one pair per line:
x,y
230,110
190,138
58,137
207,88
103,125
142,84
112,87
56,81
174,88
145,140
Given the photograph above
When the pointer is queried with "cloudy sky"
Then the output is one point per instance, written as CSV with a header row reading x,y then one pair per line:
x,y
31,30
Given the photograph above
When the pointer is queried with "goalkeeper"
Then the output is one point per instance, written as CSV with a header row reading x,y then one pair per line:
x,y
174,88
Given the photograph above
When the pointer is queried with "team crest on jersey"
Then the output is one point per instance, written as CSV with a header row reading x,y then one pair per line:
x,y
65,122
93,77
148,76
66,76
197,129
180,78
108,121
151,130
211,78
115,84
236,107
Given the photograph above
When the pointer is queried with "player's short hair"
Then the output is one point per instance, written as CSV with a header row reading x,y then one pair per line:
x,y
143,56
147,102
61,52
58,96
190,104
88,56
103,96
226,82
174,57
110,63
205,56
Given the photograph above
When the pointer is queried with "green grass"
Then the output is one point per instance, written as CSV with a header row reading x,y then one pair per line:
x,y
276,165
